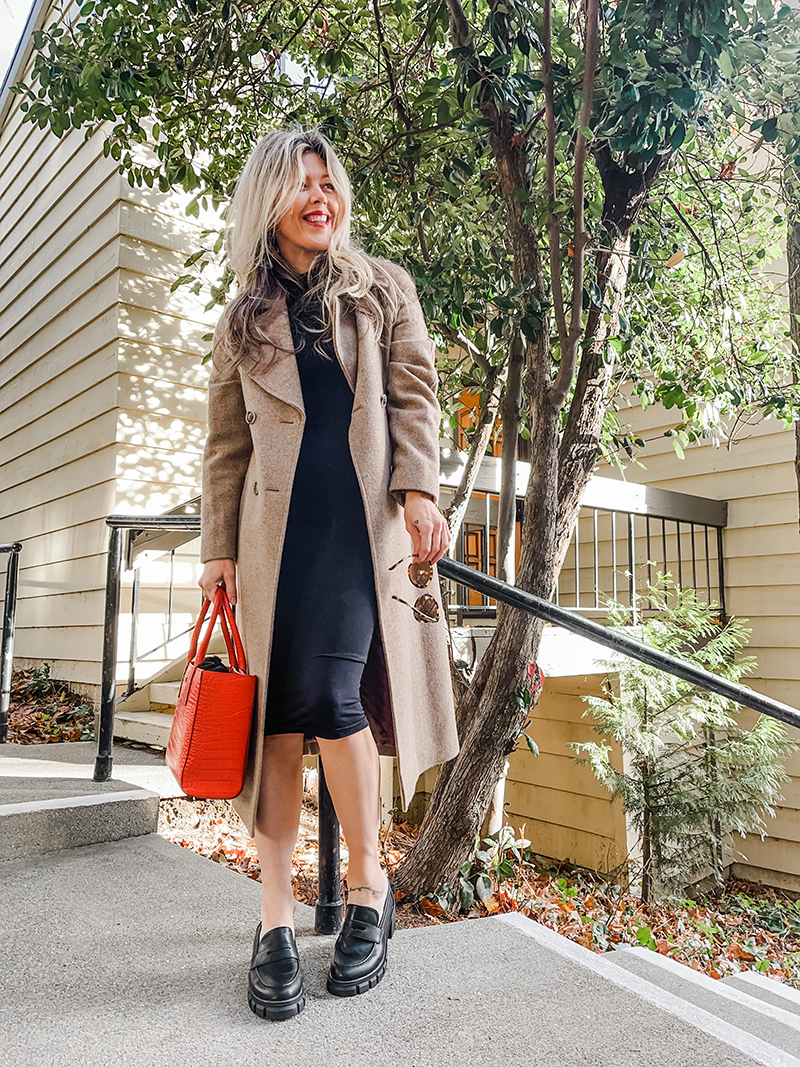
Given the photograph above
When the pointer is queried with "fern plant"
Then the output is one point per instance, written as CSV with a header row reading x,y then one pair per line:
x,y
692,777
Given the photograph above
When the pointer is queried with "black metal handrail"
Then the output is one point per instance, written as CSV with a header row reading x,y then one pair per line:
x,y
13,548
618,642
328,907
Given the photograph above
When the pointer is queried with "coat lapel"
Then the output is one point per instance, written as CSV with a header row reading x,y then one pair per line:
x,y
273,365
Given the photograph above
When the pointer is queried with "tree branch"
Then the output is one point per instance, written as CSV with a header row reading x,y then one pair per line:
x,y
553,223
580,237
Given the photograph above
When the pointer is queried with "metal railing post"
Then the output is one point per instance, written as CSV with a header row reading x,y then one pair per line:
x,y
328,911
721,577
137,581
7,651
105,739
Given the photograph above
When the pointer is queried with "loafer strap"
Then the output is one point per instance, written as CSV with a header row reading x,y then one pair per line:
x,y
272,955
366,931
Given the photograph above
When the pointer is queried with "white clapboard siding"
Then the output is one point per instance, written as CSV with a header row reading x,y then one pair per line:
x,y
102,392
89,538
762,574
565,812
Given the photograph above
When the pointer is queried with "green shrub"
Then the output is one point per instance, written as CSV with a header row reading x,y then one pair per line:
x,y
691,775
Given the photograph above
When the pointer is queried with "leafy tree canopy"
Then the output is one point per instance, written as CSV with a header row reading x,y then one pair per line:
x,y
183,90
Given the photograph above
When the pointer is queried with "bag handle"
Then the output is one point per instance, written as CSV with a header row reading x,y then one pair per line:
x,y
223,612
239,657
215,614
198,626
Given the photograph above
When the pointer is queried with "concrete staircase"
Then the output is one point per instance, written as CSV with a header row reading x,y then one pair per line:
x,y
120,947
49,802
146,714
766,1010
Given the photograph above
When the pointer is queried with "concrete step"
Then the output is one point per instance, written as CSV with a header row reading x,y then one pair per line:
x,y
149,727
164,693
151,969
769,1023
767,989
36,827
49,801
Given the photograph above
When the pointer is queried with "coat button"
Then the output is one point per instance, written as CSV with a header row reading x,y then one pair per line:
x,y
251,416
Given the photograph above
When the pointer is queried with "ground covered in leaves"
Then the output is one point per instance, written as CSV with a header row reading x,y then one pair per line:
x,y
42,711
742,926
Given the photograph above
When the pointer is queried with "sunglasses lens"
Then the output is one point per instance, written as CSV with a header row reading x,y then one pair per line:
x,y
427,610
420,573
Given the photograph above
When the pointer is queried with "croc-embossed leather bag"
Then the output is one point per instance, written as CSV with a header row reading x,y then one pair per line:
x,y
209,737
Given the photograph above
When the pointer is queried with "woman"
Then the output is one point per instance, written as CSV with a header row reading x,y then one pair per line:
x,y
320,481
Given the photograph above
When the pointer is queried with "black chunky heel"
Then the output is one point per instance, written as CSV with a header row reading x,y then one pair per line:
x,y
359,955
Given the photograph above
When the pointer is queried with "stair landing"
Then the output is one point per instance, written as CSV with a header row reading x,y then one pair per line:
x,y
147,966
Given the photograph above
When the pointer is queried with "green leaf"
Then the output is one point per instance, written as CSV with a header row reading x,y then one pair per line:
x,y
769,129
725,65
644,936
534,748
467,895
483,886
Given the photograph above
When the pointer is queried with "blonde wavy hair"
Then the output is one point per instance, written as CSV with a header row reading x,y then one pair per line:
x,y
264,193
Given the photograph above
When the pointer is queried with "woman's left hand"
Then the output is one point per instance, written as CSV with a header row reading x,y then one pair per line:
x,y
427,526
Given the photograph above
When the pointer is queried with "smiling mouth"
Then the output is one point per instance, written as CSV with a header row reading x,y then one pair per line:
x,y
317,219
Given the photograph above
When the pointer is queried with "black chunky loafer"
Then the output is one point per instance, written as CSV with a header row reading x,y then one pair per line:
x,y
359,955
275,982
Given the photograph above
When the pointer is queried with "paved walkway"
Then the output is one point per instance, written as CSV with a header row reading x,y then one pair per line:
x,y
31,772
135,952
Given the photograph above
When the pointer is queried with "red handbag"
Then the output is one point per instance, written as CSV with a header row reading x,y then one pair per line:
x,y
210,734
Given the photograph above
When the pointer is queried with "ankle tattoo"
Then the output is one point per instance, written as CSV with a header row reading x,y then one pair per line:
x,y
375,892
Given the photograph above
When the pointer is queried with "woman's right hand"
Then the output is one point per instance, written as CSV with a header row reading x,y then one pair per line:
x,y
218,572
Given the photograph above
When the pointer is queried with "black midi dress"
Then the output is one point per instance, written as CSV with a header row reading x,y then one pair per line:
x,y
326,609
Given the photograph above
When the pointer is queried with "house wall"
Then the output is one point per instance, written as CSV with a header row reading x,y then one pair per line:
x,y
558,803
102,392
756,475
59,241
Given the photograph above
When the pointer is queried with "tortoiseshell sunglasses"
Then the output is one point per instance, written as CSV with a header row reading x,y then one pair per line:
x,y
420,574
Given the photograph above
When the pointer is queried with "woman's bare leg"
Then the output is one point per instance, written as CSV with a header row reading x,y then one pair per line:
x,y
277,824
352,772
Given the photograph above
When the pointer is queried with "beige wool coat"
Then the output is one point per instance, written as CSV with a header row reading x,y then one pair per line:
x,y
255,426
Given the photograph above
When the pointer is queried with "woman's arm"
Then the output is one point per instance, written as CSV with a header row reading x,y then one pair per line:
x,y
412,405
414,414
225,461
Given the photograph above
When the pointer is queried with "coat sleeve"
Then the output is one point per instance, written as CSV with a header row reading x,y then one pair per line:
x,y
225,461
412,405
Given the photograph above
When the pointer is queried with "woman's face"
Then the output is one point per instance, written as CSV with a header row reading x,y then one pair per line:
x,y
305,230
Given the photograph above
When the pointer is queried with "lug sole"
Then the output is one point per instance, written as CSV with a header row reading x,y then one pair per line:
x,y
285,1010
352,989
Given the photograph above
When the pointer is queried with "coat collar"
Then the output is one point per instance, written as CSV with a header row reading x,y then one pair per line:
x,y
273,365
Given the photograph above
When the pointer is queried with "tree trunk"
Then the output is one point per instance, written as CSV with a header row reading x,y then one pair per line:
x,y
490,717
457,508
506,530
490,405
507,508
625,195
647,841
579,446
